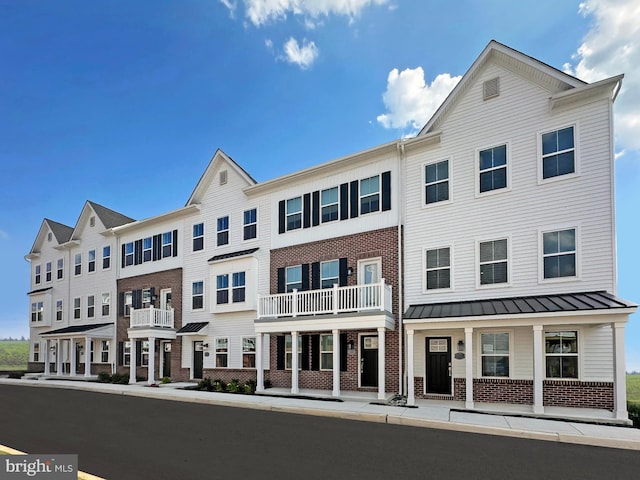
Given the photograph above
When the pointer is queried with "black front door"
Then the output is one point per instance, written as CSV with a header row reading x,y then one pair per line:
x,y
197,359
166,360
369,361
439,365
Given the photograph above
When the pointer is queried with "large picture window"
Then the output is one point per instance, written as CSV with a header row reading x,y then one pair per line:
x,y
558,153
559,253
493,168
495,354
437,182
561,354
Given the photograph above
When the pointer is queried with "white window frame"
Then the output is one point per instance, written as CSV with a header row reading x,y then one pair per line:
x,y
507,165
60,269
335,279
37,311
480,354
37,274
91,264
197,236
126,353
237,286
147,249
221,349
106,257
195,294
104,352
222,232
362,197
128,303
541,254
167,245
248,352
288,351
424,270
36,351
293,213
222,289
578,354
576,153
91,306
326,354
286,278
479,264
330,204
425,184
144,353
77,264
77,308
48,274
59,310
129,254
106,304
246,224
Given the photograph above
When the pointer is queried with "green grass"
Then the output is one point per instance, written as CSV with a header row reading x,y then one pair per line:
x,y
633,388
14,354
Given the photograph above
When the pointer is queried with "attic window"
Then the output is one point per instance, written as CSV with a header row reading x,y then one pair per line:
x,y
49,237
223,177
92,221
491,88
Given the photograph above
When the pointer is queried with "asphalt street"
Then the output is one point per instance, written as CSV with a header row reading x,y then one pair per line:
x,y
122,437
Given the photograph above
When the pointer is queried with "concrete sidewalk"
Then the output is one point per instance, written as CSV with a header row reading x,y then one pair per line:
x,y
441,415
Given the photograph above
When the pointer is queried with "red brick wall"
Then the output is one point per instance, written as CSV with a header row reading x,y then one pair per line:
x,y
562,393
228,374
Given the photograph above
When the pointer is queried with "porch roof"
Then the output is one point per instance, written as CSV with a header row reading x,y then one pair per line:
x,y
562,302
193,327
240,253
77,329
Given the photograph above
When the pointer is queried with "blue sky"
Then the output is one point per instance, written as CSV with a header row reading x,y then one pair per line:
x,y
124,103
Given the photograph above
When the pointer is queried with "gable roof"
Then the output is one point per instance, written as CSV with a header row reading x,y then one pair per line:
x,y
207,177
496,51
109,218
60,231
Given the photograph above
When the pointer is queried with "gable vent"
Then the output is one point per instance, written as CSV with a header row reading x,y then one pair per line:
x,y
491,88
223,177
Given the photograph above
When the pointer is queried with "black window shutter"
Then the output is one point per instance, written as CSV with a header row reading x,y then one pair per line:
x,y
121,304
315,210
343,272
138,353
281,280
153,294
355,199
386,191
305,352
305,276
120,353
136,299
344,201
315,276
306,210
122,260
174,237
137,252
343,352
156,248
315,352
280,352
282,217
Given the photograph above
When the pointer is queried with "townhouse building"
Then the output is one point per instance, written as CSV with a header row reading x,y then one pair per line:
x,y
474,263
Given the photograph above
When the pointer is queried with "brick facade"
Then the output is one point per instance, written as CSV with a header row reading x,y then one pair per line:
x,y
382,243
159,280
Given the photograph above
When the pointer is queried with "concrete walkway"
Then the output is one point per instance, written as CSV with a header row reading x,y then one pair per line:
x,y
441,415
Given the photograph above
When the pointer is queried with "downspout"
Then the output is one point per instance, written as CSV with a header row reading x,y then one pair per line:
x,y
401,172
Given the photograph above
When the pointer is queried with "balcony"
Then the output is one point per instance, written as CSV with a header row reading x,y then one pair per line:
x,y
151,318
356,298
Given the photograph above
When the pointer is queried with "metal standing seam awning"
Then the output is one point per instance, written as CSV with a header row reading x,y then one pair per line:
x,y
194,328
96,330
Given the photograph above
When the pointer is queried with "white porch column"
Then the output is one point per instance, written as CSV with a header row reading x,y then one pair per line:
x,y
411,395
336,363
294,363
58,357
538,370
468,364
87,356
47,357
381,364
152,361
132,361
619,372
72,353
259,368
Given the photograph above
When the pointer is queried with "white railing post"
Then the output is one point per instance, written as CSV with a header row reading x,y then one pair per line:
x,y
152,317
260,309
335,299
294,303
382,298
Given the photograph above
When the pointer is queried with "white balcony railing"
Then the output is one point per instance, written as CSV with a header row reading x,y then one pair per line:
x,y
151,317
355,298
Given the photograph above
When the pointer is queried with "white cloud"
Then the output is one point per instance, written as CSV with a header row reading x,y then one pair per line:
x,y
303,56
611,47
269,44
231,5
260,12
410,102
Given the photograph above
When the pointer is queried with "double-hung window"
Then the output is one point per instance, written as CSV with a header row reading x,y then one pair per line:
x,y
60,269
47,272
288,352
370,194
106,257
197,295
145,352
294,213
249,352
36,351
326,352
198,237
558,153
59,310
222,352
104,351
106,304
495,354
167,244
37,277
438,271
250,227
329,202
76,308
222,289
128,302
92,261
37,308
147,249
238,287
126,353
493,168
561,354
329,273
128,254
223,230
436,182
493,262
559,253
91,306
77,264
293,278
